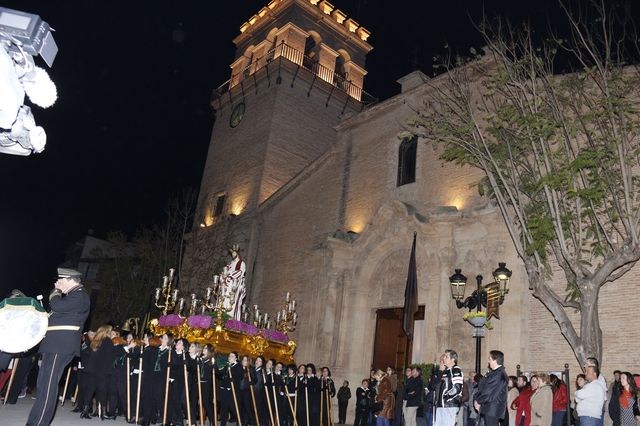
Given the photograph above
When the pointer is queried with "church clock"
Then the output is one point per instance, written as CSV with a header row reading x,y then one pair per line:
x,y
237,114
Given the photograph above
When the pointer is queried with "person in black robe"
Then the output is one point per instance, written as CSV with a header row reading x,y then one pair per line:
x,y
99,369
229,396
259,391
363,404
301,392
327,392
313,388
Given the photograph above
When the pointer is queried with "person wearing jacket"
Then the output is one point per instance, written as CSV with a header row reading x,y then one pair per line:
x,y
541,400
384,395
344,395
591,398
449,389
512,394
559,400
411,398
625,402
363,398
491,399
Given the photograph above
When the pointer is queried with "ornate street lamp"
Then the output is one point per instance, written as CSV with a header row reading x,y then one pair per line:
x,y
479,297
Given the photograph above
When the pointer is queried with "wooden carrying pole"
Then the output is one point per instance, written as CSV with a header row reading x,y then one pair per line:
x,y
166,389
128,388
266,392
139,384
200,407
235,399
306,400
321,400
253,397
330,420
293,410
215,398
186,385
66,385
13,373
275,399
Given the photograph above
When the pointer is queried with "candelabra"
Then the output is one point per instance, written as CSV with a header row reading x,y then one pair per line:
x,y
169,295
287,319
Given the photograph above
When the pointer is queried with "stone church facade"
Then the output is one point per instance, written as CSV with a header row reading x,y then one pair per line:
x,y
305,176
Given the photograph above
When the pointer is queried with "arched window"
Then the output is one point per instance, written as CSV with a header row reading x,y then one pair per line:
x,y
407,161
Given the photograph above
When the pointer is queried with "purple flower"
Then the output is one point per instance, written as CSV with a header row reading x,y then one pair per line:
x,y
276,336
199,321
242,327
171,320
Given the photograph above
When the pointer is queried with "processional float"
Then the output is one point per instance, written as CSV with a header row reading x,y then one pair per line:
x,y
221,318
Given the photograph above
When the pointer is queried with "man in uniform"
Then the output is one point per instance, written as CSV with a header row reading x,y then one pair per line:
x,y
69,302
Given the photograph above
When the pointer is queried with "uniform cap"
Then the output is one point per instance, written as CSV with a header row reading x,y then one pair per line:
x,y
68,273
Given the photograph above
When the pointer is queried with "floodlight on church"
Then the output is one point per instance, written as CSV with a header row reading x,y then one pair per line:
x,y
502,276
458,283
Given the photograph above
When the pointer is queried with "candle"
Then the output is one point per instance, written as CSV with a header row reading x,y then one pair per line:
x,y
288,296
246,316
193,296
208,293
268,324
165,281
278,317
203,309
295,317
216,279
293,308
181,304
224,271
175,294
266,316
194,301
157,293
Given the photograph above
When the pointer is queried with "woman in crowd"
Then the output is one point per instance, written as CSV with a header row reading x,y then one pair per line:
x,y
580,382
385,396
541,400
207,365
327,392
512,394
559,400
98,372
627,401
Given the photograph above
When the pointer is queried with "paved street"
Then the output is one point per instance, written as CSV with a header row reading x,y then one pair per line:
x,y
16,415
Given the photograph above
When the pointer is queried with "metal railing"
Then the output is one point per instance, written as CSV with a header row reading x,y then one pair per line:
x,y
284,51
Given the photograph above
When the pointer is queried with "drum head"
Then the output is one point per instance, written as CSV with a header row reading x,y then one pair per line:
x,y
23,324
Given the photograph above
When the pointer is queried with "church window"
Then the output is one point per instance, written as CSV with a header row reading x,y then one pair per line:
x,y
219,207
407,161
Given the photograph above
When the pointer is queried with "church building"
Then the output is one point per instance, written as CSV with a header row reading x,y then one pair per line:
x,y
313,178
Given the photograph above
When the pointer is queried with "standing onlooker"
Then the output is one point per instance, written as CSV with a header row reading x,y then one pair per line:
x,y
473,414
449,393
559,400
344,395
363,397
593,362
541,400
491,399
614,393
411,398
580,382
384,394
522,403
626,402
512,394
430,392
591,398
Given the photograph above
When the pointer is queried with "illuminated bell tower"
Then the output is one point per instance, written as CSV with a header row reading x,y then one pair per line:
x,y
298,70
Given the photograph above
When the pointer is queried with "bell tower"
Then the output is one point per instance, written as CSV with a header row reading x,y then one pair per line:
x,y
299,68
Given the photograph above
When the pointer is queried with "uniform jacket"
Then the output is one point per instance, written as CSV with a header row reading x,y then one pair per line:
x,y
67,310
492,393
363,397
344,394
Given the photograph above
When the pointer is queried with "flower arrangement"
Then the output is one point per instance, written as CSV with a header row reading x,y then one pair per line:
x,y
471,317
243,327
199,321
276,336
171,320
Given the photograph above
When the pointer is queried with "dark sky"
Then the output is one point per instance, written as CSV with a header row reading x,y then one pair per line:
x,y
132,123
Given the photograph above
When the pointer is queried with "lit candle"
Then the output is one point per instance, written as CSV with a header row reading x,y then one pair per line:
x,y
288,296
157,293
175,294
165,281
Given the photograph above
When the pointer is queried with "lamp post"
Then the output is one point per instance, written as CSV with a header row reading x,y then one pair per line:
x,y
478,298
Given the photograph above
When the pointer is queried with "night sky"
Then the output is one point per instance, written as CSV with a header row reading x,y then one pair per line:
x,y
132,123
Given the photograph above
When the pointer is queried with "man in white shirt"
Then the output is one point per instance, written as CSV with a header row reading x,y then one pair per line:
x,y
591,398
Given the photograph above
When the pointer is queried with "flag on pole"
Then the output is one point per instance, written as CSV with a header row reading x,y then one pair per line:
x,y
411,293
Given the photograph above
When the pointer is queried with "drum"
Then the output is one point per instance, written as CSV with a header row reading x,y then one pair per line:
x,y
23,324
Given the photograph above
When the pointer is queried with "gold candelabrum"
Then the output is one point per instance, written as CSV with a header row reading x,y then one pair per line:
x,y
287,318
169,295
